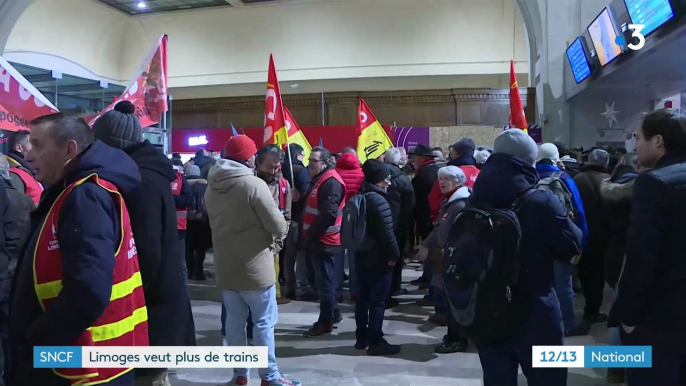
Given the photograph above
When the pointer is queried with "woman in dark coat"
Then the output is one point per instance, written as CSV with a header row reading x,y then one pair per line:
x,y
374,265
451,180
199,238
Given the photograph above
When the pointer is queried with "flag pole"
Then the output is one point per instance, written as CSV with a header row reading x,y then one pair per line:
x,y
290,163
323,124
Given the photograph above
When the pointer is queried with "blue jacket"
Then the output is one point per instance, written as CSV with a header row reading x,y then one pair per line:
x,y
547,233
546,170
88,234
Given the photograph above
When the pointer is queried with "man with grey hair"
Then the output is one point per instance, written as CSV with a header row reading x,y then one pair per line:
x,y
401,199
591,265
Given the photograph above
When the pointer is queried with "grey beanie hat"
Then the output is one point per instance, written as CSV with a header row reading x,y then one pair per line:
x,y
193,171
517,143
119,127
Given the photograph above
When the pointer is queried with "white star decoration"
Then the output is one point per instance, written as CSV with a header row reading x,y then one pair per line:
x,y
610,114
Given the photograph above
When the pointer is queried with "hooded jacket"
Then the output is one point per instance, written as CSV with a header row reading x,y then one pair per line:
x,y
348,167
245,223
88,233
153,220
547,235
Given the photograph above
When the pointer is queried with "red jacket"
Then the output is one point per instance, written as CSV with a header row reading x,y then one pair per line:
x,y
348,167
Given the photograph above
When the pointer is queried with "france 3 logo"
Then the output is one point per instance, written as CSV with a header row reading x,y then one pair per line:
x,y
636,34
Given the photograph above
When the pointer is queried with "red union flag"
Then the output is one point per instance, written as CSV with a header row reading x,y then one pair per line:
x,y
372,140
148,92
20,102
274,122
517,117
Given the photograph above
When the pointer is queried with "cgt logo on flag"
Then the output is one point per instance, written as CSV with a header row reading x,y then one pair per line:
x,y
371,149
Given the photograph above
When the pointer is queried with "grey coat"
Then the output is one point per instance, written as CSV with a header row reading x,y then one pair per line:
x,y
439,236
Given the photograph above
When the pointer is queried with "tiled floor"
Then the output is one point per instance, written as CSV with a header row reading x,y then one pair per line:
x,y
332,360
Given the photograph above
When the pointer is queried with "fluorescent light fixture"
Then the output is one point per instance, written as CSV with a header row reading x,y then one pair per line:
x,y
141,4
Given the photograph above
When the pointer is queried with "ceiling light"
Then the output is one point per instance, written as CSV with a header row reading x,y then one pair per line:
x,y
141,4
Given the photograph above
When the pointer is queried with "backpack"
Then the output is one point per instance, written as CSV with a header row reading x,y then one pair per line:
x,y
481,271
197,211
354,226
555,184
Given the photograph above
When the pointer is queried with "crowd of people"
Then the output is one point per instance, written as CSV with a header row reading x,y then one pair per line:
x,y
95,223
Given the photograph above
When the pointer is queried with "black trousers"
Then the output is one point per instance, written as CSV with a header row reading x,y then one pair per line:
x,y
592,277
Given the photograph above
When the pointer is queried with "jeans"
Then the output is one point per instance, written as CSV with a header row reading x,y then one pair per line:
x,y
565,293
324,268
262,305
353,281
339,271
440,301
184,267
295,264
371,305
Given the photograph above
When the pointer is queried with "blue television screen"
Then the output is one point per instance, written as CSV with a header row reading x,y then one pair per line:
x,y
578,61
651,13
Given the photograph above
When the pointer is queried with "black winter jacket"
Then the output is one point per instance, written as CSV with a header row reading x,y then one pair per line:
x,y
302,185
422,183
547,234
401,199
88,232
652,287
153,220
379,229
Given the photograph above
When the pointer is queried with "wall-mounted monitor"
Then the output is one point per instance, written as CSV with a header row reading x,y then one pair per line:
x,y
651,13
578,60
603,35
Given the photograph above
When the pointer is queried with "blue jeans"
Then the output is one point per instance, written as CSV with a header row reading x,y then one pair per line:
x,y
295,264
371,305
565,293
262,305
440,301
324,267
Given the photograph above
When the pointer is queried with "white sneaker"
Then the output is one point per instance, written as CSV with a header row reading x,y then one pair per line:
x,y
224,343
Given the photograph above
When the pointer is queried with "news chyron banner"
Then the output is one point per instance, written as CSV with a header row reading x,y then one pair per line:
x,y
592,356
295,135
20,102
148,92
274,118
161,357
372,140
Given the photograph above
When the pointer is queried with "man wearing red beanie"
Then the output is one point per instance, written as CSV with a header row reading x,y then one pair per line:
x,y
245,222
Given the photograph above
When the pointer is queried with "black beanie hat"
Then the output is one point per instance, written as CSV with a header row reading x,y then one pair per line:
x,y
119,127
375,171
465,147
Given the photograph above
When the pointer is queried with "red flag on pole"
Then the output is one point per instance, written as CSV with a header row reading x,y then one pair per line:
x,y
20,102
274,123
517,117
148,92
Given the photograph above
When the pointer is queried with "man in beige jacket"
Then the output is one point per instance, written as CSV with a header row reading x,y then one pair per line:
x,y
245,223
268,168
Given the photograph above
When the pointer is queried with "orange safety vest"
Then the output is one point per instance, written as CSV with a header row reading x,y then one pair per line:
x,y
332,236
31,187
125,320
181,214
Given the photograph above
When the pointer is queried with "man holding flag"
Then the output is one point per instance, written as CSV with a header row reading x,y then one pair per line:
x,y
372,140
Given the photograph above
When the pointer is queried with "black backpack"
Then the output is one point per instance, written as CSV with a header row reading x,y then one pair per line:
x,y
481,270
198,211
354,226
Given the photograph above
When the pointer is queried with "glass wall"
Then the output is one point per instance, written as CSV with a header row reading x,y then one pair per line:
x,y
71,93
